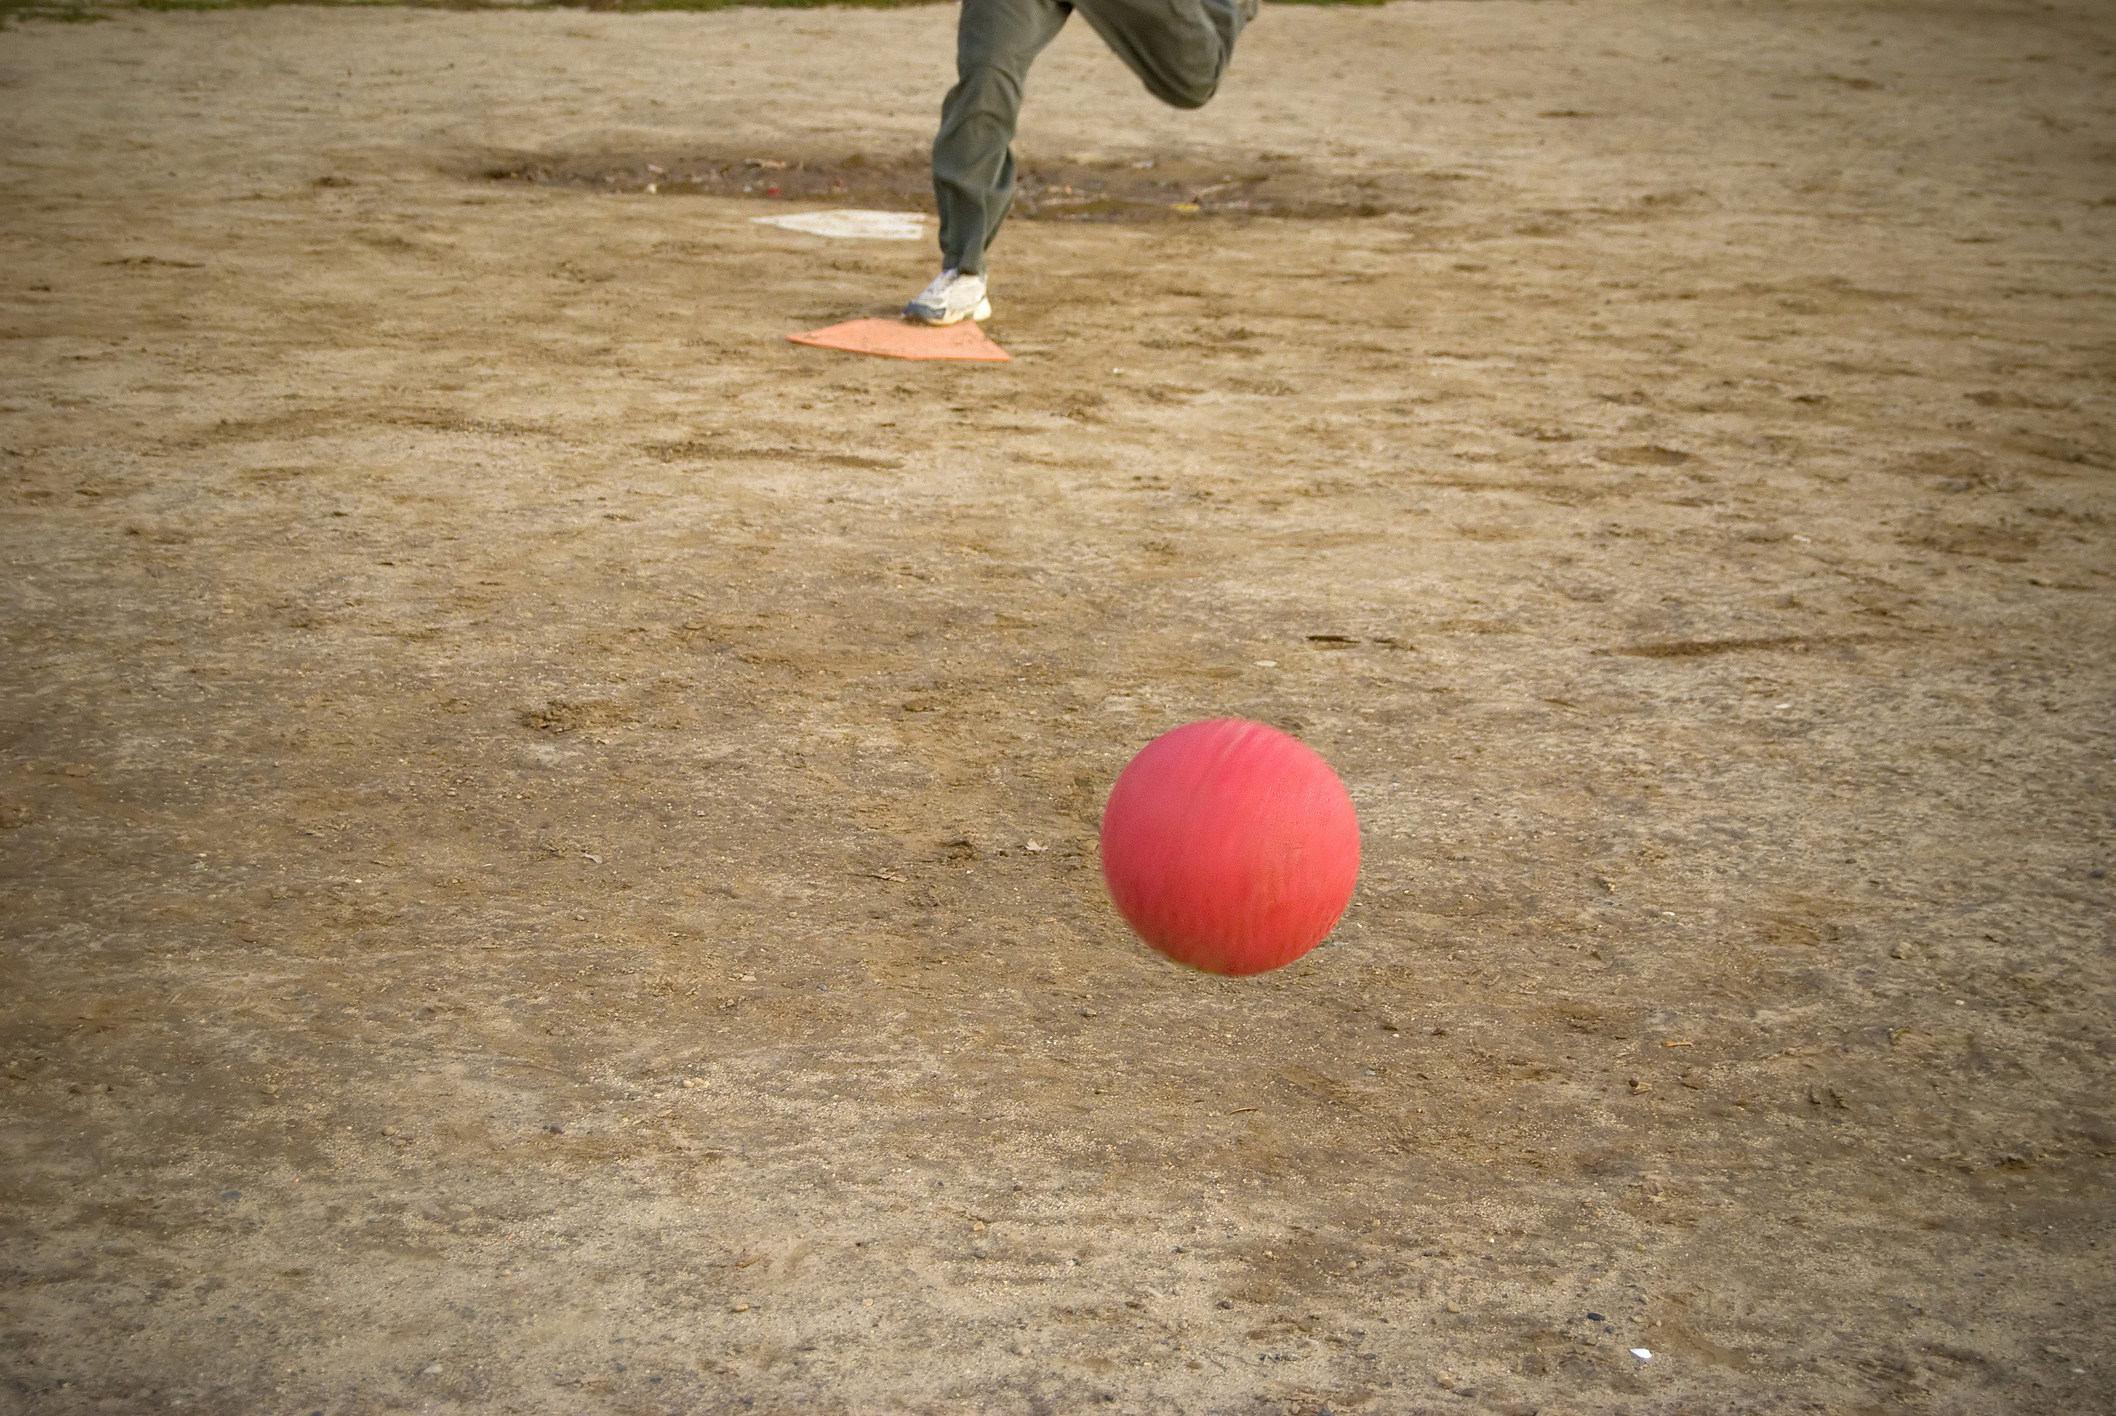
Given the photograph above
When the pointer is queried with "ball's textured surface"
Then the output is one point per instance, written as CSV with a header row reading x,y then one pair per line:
x,y
1230,846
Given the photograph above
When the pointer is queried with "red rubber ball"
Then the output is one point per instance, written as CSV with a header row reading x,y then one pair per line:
x,y
1229,846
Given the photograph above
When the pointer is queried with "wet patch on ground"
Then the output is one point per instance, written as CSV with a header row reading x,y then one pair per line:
x,y
1075,189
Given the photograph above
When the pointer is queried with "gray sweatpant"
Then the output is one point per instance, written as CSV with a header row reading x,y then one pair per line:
x,y
1178,48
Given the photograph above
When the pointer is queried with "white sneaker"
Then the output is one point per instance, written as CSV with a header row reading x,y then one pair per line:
x,y
951,298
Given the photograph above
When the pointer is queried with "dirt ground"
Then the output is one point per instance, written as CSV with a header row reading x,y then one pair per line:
x,y
550,854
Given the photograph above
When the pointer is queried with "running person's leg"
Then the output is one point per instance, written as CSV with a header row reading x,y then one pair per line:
x,y
973,158
1178,48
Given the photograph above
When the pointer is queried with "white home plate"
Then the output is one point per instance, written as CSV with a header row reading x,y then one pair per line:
x,y
860,225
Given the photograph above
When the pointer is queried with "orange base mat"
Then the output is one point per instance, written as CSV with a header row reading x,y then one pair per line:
x,y
899,340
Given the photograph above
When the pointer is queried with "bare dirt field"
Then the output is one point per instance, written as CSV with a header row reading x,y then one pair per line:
x,y
550,833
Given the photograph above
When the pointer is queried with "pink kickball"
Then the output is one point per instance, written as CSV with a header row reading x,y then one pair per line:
x,y
1229,846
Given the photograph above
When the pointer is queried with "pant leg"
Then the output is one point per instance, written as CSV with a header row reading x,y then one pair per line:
x,y
973,159
1178,48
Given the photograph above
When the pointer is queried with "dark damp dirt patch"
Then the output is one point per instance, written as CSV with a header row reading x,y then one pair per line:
x,y
72,10
75,11
1705,648
1145,190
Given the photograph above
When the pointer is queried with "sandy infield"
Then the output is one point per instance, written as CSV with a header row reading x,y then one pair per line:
x,y
550,833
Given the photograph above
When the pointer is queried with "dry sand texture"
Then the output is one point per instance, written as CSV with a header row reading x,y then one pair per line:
x,y
519,782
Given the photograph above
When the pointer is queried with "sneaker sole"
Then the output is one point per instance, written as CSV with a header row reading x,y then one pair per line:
x,y
982,312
